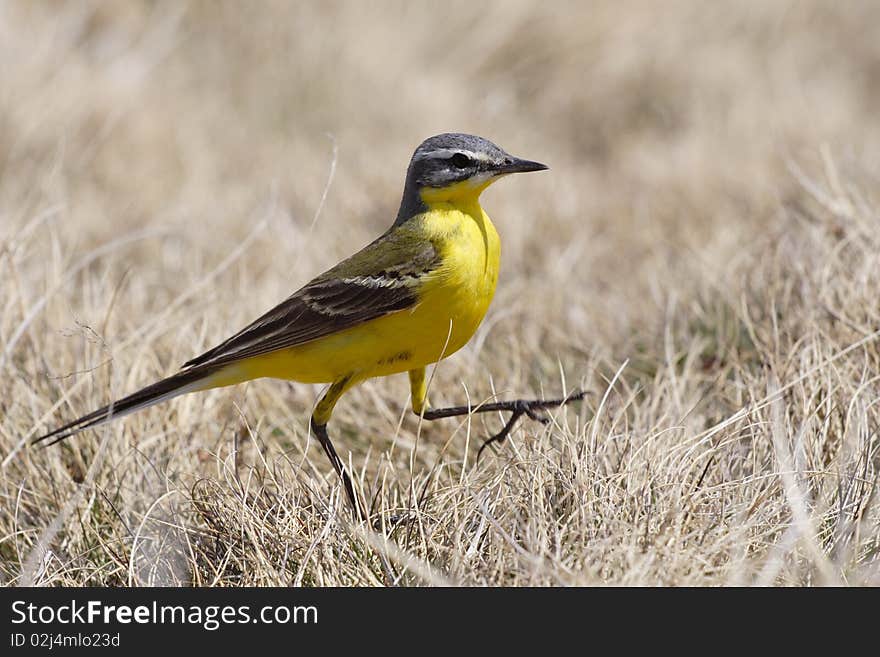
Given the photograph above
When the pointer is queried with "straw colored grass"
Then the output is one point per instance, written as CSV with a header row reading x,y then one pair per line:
x,y
703,257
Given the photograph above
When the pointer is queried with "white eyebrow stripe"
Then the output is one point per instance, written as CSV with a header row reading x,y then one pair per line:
x,y
446,153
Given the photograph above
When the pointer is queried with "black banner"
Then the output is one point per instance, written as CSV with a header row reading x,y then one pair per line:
x,y
59,619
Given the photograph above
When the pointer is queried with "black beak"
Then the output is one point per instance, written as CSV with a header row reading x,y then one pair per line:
x,y
516,165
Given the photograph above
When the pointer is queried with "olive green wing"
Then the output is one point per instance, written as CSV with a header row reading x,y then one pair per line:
x,y
381,278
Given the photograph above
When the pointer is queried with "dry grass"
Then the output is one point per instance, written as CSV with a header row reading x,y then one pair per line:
x,y
704,257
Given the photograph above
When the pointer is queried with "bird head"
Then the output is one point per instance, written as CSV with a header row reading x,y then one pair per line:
x,y
453,165
453,158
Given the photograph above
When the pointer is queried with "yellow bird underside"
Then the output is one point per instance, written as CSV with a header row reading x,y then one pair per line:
x,y
453,300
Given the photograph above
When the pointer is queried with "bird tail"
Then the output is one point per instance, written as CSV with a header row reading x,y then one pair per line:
x,y
189,380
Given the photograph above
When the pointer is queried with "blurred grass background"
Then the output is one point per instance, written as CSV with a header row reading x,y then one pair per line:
x,y
169,170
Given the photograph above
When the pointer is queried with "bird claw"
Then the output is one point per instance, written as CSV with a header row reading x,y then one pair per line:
x,y
538,417
529,408
497,438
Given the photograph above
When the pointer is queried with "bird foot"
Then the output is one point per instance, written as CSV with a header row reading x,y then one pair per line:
x,y
529,408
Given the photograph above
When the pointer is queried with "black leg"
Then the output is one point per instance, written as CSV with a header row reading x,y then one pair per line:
x,y
320,430
517,408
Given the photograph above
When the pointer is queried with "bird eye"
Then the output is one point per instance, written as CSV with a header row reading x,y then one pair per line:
x,y
461,161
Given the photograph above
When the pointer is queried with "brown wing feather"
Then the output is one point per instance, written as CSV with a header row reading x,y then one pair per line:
x,y
378,280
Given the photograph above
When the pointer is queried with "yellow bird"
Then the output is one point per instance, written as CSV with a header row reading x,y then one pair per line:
x,y
413,296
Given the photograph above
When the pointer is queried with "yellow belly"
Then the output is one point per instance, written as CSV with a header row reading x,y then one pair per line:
x,y
452,303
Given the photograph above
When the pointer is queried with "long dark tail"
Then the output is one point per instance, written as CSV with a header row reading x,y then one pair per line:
x,y
178,384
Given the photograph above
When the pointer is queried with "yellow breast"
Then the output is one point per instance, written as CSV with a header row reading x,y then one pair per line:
x,y
457,297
